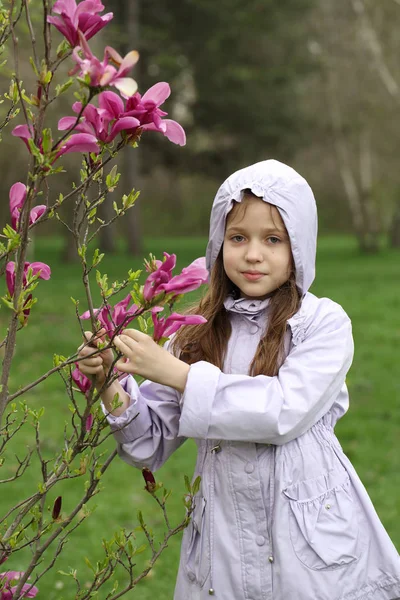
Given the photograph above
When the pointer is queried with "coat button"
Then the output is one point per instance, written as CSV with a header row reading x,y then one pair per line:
x,y
260,540
249,468
271,559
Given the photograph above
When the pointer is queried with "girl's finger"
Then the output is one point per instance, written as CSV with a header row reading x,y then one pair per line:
x,y
92,362
87,351
94,339
124,367
124,343
91,370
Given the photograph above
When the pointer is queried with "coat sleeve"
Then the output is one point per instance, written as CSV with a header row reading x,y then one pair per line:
x,y
147,432
272,410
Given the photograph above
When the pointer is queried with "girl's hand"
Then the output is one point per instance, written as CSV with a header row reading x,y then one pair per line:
x,y
98,365
148,359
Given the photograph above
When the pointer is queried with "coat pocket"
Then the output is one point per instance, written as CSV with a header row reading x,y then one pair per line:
x,y
323,521
197,554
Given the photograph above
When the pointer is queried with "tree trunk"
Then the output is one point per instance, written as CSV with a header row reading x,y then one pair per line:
x,y
130,156
69,253
394,232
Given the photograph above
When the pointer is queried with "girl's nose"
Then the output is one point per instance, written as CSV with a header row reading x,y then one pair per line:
x,y
253,253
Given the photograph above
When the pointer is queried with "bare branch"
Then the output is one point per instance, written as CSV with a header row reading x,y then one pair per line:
x,y
32,34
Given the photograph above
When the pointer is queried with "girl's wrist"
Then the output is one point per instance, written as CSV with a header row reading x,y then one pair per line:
x,y
108,396
176,376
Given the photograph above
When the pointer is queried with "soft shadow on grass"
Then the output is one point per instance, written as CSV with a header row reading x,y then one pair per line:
x,y
368,287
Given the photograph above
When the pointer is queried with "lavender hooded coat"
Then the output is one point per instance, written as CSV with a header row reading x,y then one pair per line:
x,y
281,514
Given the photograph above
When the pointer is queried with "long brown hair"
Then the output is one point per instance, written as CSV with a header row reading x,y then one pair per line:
x,y
209,341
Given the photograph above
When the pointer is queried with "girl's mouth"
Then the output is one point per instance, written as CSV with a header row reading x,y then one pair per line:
x,y
252,276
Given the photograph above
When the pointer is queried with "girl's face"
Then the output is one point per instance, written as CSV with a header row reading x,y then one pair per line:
x,y
256,252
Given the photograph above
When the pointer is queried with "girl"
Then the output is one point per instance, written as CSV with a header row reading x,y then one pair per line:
x,y
281,514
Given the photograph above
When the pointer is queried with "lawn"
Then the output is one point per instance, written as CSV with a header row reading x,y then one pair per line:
x,y
368,287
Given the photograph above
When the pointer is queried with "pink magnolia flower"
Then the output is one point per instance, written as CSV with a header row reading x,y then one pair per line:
x,y
18,193
83,382
79,142
161,280
24,132
105,122
84,18
7,591
89,422
162,274
113,116
38,268
101,73
190,279
146,108
120,315
165,327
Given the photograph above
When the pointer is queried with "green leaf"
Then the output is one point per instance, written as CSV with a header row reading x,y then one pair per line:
x,y
97,257
187,484
134,275
35,151
8,303
142,324
89,564
32,62
62,48
196,485
47,140
61,88
48,77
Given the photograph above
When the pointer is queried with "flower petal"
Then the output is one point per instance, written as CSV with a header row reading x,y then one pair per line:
x,y
128,62
36,213
10,277
66,123
22,131
39,268
126,86
92,28
66,29
65,6
112,103
17,196
83,382
174,132
158,93
110,52
80,142
124,124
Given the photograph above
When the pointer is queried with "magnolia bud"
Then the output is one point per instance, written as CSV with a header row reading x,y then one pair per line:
x,y
56,508
149,480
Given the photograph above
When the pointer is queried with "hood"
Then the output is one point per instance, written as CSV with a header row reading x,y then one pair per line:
x,y
283,187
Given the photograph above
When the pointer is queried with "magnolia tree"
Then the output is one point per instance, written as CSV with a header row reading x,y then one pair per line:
x,y
109,114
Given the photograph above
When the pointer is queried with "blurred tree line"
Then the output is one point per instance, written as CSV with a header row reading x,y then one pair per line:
x,y
299,80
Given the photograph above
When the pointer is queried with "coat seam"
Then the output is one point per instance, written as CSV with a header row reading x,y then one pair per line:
x,y
238,523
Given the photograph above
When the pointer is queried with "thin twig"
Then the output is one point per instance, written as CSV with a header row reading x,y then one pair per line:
x,y
32,35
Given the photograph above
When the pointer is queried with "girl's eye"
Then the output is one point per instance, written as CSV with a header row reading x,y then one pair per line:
x,y
237,238
274,240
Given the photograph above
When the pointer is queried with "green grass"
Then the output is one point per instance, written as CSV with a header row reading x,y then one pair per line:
x,y
368,287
